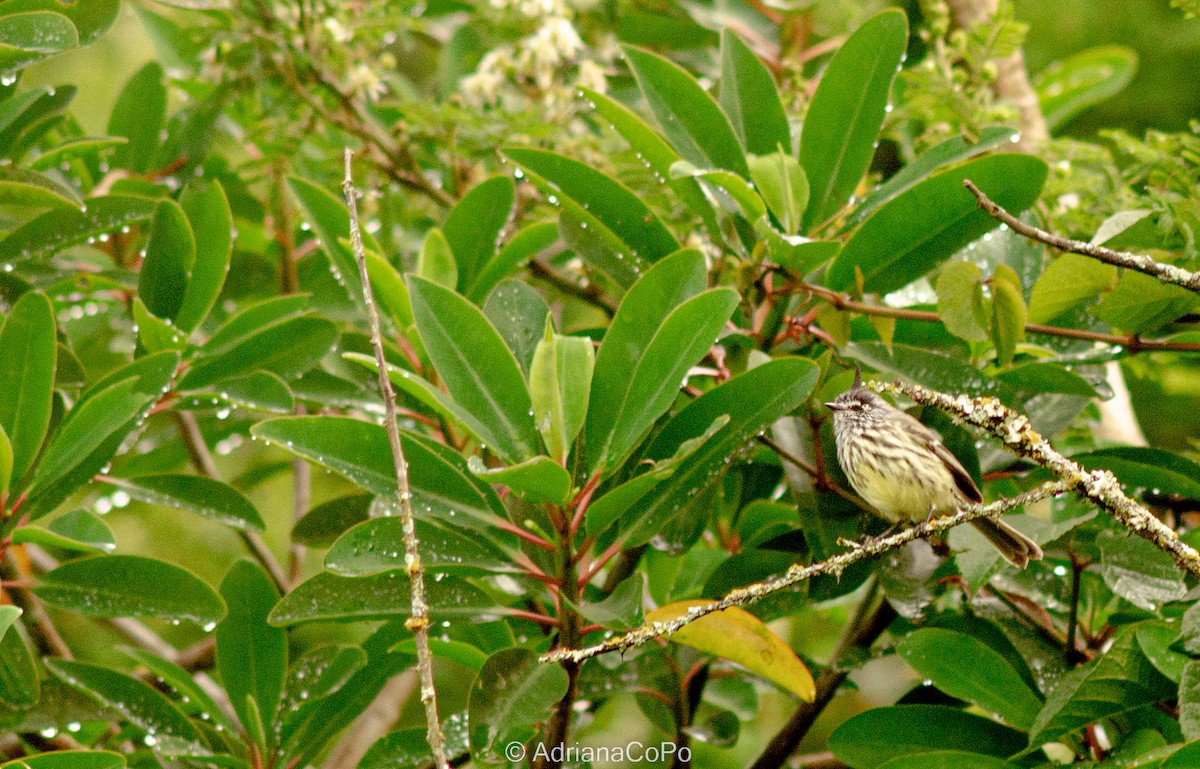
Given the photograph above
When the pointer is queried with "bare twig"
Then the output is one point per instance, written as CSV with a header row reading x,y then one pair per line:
x,y
1167,273
857,551
418,623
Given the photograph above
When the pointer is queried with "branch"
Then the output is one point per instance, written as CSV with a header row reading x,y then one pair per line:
x,y
418,623
1167,273
1015,432
835,565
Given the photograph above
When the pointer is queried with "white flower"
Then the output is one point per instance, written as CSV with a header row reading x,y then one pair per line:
x,y
339,33
591,75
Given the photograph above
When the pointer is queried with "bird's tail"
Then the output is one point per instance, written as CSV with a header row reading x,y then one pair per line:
x,y
1016,548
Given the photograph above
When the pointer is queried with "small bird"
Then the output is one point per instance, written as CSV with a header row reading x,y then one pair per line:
x,y
901,468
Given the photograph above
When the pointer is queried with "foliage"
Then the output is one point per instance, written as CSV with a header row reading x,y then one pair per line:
x,y
612,341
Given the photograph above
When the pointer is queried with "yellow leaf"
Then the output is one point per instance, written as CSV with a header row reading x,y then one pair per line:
x,y
738,636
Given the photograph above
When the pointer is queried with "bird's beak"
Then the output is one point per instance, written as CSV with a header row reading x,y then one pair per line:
x,y
833,406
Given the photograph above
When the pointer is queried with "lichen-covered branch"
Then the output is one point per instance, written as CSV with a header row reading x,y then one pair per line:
x,y
418,622
1167,273
1100,486
835,565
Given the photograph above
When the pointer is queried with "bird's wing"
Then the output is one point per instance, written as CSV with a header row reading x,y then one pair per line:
x,y
933,440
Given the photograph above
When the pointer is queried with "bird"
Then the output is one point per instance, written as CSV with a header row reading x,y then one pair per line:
x,y
902,469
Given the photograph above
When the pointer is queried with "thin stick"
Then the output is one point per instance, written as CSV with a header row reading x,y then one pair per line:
x,y
418,623
1167,273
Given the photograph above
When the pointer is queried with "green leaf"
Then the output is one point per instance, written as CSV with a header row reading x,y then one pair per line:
x,y
1162,471
184,686
287,347
27,365
518,313
170,254
154,333
752,401
480,372
1189,700
930,369
330,598
261,390
877,736
318,673
436,260
1139,572
19,677
511,695
989,680
473,227
252,319
946,154
56,230
622,609
69,759
29,37
947,759
960,301
204,496
795,253
606,200
1118,223
597,245
1038,378
560,381
77,530
1069,87
330,221
28,116
251,655
139,116
323,524
1155,639
1189,755
1070,280
783,186
209,215
73,149
1141,303
19,187
687,115
537,480
1008,313
410,748
130,586
91,18
734,192
6,462
168,730
925,225
8,615
636,329
749,99
526,244
1118,682
847,111
377,545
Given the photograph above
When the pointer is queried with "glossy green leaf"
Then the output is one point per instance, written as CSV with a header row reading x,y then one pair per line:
x,y
69,759
324,523
436,260
8,615
1082,80
930,369
170,254
154,333
410,747
73,149
925,225
645,308
622,609
1162,471
947,759
480,372
511,695
55,230
1141,303
1189,700
377,545
250,320
750,100
27,365
538,479
209,215
91,19
30,36
752,401
989,681
843,122
597,245
184,685
360,451
783,186
1118,223
204,496
130,586
288,348
330,220
19,676
78,530
319,672
1156,639
731,190
251,655
524,246
560,381
1184,758
1037,378
20,187
1139,572
6,461
795,253
1069,280
949,152
611,203
28,116
689,118
169,730
473,227
139,116
960,301
1007,327
518,312
1119,681
330,598
874,737
260,390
